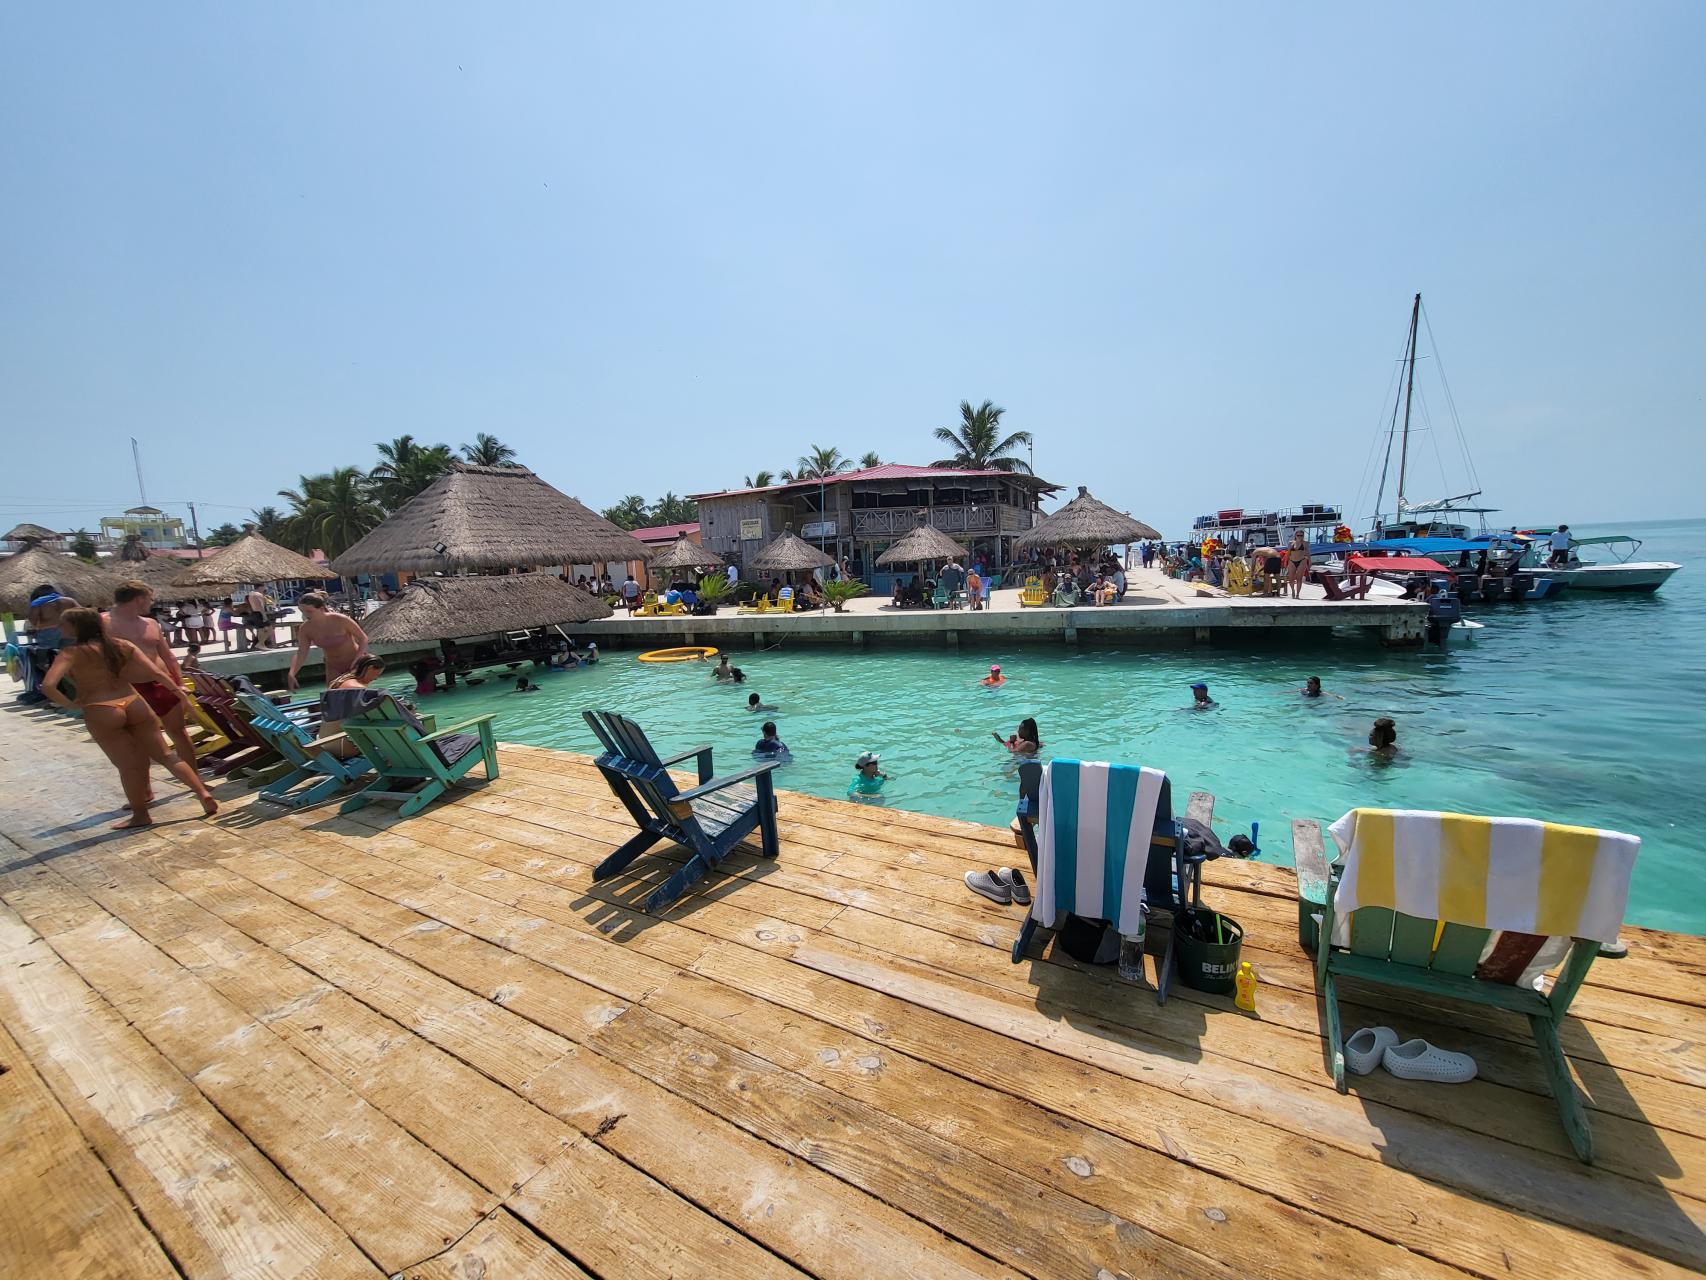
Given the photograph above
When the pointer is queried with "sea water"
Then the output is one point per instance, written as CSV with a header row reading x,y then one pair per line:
x,y
1587,709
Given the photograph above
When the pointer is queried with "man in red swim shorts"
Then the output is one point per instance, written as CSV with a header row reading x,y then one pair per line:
x,y
128,620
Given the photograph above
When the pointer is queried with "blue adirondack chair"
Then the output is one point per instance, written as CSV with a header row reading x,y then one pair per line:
x,y
324,773
708,820
409,764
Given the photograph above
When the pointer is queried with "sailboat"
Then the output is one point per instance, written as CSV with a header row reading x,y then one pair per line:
x,y
1438,517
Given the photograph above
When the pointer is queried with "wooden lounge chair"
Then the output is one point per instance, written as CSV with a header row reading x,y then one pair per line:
x,y
244,749
1237,577
410,764
1172,879
1336,590
1032,596
310,759
708,820
1439,957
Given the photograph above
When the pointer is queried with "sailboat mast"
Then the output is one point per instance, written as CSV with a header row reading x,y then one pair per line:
x,y
1409,390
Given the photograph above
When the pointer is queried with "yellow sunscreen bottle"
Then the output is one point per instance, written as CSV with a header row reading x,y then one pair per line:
x,y
1246,983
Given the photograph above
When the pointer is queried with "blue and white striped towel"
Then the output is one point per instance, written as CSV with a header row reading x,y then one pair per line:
x,y
1094,825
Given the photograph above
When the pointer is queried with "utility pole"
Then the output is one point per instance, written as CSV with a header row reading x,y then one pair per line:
x,y
136,457
195,529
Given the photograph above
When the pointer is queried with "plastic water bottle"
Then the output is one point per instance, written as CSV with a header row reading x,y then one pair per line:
x,y
1246,984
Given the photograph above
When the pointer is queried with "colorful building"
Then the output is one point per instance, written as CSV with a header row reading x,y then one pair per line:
x,y
152,525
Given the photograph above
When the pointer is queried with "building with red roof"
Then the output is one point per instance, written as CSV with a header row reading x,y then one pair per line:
x,y
857,515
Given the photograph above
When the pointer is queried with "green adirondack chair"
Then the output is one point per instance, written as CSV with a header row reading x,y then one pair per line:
x,y
1436,958
410,764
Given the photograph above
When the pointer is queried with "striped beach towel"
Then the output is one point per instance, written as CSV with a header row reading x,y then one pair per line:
x,y
1492,873
1094,823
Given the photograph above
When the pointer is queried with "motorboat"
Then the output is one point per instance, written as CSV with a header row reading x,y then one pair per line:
x,y
1621,573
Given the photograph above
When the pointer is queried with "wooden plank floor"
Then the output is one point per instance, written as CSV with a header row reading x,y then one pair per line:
x,y
308,1045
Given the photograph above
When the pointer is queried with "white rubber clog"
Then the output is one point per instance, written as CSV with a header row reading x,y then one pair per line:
x,y
1419,1060
1365,1049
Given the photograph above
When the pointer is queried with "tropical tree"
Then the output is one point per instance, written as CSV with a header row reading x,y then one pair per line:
x,y
269,523
489,451
222,535
869,460
760,480
406,467
331,511
978,443
83,545
630,513
670,509
819,463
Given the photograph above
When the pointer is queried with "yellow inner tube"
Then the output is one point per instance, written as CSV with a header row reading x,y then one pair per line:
x,y
693,653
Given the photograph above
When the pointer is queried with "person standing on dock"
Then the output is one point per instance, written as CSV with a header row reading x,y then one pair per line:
x,y
129,619
341,639
1297,560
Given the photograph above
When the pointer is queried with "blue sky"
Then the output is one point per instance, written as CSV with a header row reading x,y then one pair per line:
x,y
657,249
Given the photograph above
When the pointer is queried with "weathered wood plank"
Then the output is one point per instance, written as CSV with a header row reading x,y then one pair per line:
x,y
500,1248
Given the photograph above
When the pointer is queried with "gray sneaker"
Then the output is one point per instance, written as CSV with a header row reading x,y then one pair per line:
x,y
991,886
1016,886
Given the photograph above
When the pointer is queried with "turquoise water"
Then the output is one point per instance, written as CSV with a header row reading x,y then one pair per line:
x,y
1584,710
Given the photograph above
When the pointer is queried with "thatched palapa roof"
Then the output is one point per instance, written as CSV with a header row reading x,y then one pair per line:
x,y
1085,522
687,554
161,573
489,518
790,553
88,584
251,559
926,542
31,533
454,608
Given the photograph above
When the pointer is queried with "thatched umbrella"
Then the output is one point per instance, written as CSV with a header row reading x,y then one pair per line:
x,y
88,584
31,533
926,542
251,559
489,518
790,553
453,608
1086,523
161,573
687,554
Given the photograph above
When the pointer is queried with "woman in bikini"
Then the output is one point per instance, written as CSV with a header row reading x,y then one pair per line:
x,y
103,670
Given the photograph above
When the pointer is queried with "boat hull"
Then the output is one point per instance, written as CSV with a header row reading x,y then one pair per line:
x,y
1633,577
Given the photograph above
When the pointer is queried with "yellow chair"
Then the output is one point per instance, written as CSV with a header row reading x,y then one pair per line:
x,y
760,604
1033,596
1237,577
205,735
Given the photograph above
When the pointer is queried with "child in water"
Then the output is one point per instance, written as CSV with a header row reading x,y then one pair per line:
x,y
524,685
1200,701
867,779
1383,738
994,679
755,703
769,744
1026,742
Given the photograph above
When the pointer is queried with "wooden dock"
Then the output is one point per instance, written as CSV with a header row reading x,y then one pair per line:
x,y
311,1046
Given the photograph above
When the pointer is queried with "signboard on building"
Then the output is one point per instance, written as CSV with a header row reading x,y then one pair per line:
x,y
818,529
751,530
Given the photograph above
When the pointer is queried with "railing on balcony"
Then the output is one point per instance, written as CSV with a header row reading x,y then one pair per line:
x,y
881,523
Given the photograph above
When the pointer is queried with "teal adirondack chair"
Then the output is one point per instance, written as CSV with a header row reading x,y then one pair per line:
x,y
323,773
1438,957
708,820
410,764
939,598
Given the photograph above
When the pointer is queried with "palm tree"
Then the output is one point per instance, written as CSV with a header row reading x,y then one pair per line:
x,y
331,511
762,480
83,545
819,464
978,443
223,535
269,523
488,451
869,460
629,513
405,468
670,509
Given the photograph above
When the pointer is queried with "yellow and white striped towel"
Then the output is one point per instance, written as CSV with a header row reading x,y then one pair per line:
x,y
1493,873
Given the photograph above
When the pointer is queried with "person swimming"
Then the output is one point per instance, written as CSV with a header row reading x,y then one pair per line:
x,y
723,672
755,703
524,685
1312,687
994,679
768,743
868,779
1026,742
1200,701
1383,738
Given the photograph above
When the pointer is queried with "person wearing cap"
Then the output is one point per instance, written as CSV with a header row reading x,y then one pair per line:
x,y
994,679
1200,701
867,778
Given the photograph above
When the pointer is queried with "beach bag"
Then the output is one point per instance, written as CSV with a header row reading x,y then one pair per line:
x,y
1088,941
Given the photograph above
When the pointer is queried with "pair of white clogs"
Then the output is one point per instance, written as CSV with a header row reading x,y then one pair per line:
x,y
1412,1060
